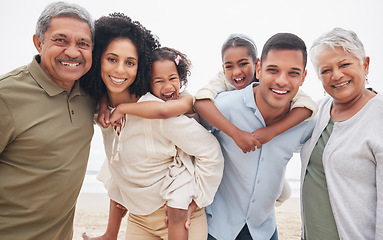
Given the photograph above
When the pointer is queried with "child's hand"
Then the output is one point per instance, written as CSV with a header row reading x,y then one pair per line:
x,y
263,135
103,117
245,141
115,118
192,207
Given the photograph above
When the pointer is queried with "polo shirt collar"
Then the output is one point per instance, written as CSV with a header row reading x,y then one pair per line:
x,y
49,86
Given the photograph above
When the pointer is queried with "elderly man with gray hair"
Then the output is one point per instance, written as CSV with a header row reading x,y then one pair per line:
x,y
46,128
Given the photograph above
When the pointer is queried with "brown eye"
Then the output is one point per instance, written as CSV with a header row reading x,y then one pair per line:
x,y
111,60
59,40
84,45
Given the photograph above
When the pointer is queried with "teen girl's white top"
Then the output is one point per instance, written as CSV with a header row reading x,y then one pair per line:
x,y
145,152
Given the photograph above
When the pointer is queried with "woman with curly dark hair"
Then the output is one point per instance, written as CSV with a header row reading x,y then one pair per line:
x,y
109,28
146,171
121,66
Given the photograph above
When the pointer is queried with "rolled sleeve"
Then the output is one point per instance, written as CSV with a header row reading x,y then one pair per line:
x,y
216,85
302,99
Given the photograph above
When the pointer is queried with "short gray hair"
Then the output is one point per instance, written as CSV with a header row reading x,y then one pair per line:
x,y
338,37
62,9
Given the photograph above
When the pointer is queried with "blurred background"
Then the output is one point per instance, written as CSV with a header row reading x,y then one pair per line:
x,y
198,29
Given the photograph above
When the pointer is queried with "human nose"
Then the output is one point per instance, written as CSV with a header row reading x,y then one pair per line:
x,y
236,71
120,68
336,75
72,51
281,80
168,86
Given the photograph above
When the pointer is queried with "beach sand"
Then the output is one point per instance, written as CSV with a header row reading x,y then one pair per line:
x,y
92,217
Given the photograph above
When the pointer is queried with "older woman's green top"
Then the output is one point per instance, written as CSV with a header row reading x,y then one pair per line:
x,y
318,216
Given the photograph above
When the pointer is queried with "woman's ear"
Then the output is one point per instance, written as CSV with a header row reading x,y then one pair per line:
x,y
366,65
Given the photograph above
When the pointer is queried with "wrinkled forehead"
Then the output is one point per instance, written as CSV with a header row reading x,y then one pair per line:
x,y
69,26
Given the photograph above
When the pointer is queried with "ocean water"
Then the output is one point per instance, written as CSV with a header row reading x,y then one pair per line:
x,y
97,157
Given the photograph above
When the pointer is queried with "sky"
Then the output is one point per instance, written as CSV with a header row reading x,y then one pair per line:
x,y
199,28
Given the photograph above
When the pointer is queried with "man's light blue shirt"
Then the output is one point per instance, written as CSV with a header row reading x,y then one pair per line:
x,y
251,182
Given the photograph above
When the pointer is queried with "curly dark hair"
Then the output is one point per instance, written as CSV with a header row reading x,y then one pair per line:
x,y
183,65
108,28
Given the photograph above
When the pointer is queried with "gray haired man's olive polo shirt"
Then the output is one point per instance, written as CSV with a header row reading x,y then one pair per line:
x,y
45,134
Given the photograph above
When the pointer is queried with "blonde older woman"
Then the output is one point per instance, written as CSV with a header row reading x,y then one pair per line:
x,y
342,164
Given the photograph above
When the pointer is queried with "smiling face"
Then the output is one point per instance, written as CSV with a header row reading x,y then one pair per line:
x,y
280,75
239,66
165,82
342,74
119,64
66,53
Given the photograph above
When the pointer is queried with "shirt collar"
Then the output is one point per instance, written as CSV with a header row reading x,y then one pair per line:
x,y
249,100
248,96
49,86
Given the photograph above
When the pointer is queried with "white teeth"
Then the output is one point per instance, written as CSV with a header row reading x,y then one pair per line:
x,y
70,64
168,95
238,79
279,92
342,84
119,80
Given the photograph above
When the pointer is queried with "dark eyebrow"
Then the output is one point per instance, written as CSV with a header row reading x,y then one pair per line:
x,y
59,35
113,54
240,60
243,59
63,35
296,69
129,58
274,66
293,68
86,40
